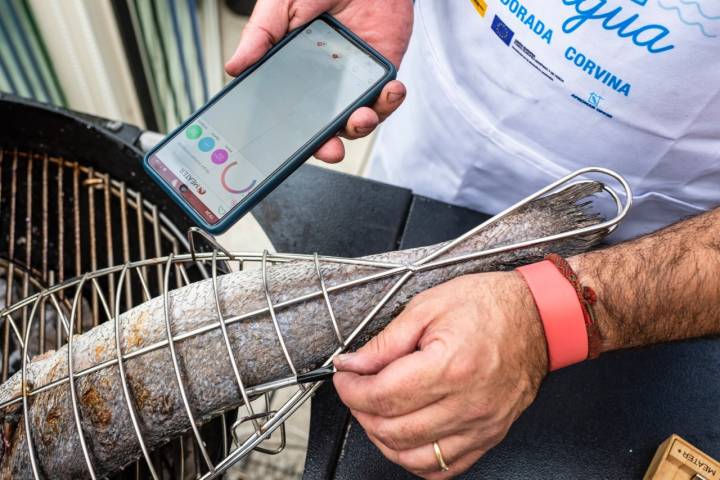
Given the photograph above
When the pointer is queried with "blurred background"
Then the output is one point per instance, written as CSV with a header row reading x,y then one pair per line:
x,y
146,62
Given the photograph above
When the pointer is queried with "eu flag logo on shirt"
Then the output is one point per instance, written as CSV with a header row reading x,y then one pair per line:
x,y
502,30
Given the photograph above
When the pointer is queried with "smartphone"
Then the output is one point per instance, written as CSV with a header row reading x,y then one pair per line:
x,y
255,132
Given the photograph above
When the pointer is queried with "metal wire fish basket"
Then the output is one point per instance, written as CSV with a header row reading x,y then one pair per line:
x,y
102,294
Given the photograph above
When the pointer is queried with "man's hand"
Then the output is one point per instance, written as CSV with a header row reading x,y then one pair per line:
x,y
464,359
384,24
457,366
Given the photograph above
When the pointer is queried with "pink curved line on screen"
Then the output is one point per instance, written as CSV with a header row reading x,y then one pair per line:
x,y
227,187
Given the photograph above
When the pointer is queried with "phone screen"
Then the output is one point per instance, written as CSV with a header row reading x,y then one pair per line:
x,y
248,133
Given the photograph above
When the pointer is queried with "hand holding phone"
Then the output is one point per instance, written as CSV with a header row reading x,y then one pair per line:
x,y
385,24
233,151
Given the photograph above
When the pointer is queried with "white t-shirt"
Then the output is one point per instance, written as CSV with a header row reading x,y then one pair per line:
x,y
506,96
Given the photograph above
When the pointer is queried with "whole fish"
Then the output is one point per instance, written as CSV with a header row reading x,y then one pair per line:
x,y
207,372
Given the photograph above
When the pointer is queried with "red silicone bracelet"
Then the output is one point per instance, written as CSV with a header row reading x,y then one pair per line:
x,y
561,314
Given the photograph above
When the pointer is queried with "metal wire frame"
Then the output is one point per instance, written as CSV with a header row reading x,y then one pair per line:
x,y
25,265
62,218
307,383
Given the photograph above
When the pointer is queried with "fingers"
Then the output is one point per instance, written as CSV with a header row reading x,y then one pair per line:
x,y
459,452
441,419
265,27
364,120
331,151
399,338
390,99
412,431
269,22
423,460
406,385
388,376
456,467
361,123
254,42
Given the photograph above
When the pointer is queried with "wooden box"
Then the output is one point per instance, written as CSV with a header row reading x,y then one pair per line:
x,y
677,459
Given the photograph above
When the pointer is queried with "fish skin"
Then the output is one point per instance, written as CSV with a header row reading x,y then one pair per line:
x,y
210,383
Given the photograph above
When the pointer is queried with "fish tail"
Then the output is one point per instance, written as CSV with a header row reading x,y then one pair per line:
x,y
569,209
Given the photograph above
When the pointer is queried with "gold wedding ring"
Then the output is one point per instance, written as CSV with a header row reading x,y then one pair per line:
x,y
440,459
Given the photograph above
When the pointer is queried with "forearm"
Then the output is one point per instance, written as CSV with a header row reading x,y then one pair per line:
x,y
658,288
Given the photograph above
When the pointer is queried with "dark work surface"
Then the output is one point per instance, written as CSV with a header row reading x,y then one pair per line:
x,y
430,221
317,210
601,419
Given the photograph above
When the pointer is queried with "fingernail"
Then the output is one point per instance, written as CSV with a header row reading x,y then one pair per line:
x,y
363,130
344,358
395,97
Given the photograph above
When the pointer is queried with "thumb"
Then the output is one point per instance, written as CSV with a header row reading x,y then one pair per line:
x,y
269,22
398,339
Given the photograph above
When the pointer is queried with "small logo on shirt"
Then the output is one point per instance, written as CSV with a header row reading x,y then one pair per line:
x,y
480,6
502,30
594,99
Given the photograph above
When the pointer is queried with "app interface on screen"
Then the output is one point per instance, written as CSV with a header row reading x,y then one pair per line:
x,y
223,155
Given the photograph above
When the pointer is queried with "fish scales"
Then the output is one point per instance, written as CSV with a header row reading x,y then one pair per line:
x,y
210,383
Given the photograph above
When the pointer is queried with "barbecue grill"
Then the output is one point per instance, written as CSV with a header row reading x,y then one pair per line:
x,y
72,201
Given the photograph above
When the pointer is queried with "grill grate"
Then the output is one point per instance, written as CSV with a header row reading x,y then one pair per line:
x,y
59,219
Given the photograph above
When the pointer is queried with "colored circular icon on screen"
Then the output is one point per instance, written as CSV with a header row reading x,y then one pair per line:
x,y
206,144
223,181
219,156
193,132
